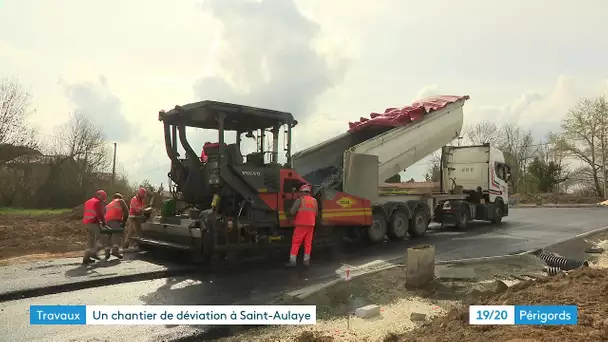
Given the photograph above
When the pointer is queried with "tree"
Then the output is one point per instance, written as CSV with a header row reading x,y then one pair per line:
x,y
546,173
146,184
518,147
584,138
394,179
16,138
433,168
81,157
482,132
85,142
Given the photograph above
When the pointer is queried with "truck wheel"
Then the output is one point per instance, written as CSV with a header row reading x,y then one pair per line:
x,y
377,231
463,218
498,212
419,223
399,226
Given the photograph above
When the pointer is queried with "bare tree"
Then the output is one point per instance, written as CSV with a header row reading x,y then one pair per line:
x,y
518,147
482,132
16,138
81,157
432,168
584,138
85,143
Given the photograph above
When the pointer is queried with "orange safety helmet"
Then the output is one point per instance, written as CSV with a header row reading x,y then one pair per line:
x,y
101,195
305,188
141,192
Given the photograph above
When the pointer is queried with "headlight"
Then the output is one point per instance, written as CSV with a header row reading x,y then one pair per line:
x,y
447,205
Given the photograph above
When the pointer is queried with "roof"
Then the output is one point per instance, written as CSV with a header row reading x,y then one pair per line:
x,y
203,114
395,117
35,159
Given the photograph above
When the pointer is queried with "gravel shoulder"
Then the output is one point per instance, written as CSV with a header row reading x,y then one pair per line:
x,y
439,310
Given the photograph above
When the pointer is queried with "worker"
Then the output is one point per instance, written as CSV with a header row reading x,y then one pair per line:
x,y
204,157
136,208
305,211
92,220
117,213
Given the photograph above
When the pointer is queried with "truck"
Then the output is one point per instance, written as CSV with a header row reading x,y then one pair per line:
x,y
473,179
229,207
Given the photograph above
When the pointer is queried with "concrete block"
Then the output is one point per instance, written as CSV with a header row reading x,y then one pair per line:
x,y
368,311
457,273
420,266
488,289
417,317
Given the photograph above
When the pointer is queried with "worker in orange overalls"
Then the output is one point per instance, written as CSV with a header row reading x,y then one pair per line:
x,y
93,217
117,213
305,211
136,208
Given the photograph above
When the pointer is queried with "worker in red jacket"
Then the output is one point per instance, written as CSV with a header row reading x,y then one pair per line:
x,y
136,214
305,211
117,213
92,220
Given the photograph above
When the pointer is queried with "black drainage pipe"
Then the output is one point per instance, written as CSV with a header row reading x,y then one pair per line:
x,y
551,271
561,262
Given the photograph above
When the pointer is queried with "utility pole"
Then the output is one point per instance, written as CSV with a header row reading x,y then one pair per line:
x,y
114,166
604,160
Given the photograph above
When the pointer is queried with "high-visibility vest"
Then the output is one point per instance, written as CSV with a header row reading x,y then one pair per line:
x,y
90,212
114,211
136,206
307,213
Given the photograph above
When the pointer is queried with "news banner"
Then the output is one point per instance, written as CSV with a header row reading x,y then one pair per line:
x,y
269,314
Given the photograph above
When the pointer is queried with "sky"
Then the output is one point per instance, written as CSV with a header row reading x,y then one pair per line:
x,y
327,62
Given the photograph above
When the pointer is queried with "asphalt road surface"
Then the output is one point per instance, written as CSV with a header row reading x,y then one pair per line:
x,y
525,229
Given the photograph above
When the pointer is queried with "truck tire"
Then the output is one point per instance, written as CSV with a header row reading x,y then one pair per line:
x,y
419,222
498,212
464,217
399,226
376,232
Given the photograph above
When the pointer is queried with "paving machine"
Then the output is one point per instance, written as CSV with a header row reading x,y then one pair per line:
x,y
237,206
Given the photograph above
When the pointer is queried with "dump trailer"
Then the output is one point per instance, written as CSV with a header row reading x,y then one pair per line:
x,y
473,179
230,206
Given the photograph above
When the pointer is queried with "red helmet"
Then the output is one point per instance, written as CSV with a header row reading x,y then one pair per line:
x,y
101,195
305,188
141,192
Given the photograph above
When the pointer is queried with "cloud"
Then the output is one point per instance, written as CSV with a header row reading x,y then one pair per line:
x,y
431,90
267,57
98,103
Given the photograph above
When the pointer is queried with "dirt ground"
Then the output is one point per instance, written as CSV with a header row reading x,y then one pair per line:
x,y
444,302
45,235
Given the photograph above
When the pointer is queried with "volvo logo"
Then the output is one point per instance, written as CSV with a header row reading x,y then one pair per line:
x,y
251,173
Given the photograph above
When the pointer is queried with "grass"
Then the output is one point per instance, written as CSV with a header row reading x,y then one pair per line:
x,y
33,212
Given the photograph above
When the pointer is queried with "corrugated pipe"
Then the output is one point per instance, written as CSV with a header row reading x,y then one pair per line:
x,y
561,262
551,271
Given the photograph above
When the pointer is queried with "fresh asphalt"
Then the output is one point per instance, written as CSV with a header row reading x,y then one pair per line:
x,y
524,230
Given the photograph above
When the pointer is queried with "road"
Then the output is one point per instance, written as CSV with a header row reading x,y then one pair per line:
x,y
525,229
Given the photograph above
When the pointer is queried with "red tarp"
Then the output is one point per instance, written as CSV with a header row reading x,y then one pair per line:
x,y
395,117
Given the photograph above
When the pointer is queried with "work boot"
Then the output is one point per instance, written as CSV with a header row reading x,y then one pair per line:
x,y
116,253
306,263
86,261
292,262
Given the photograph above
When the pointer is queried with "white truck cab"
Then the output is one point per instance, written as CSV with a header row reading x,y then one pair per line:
x,y
477,176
